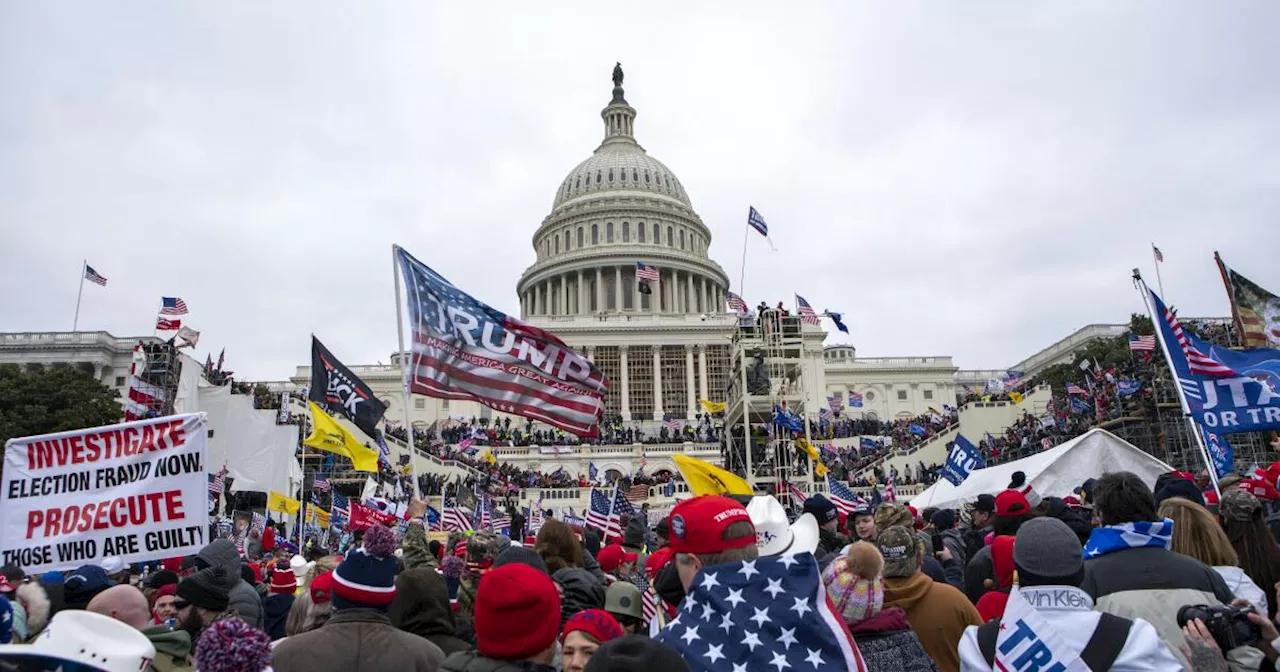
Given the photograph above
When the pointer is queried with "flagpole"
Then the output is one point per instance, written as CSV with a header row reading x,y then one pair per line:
x,y
1173,373
1159,281
85,264
742,272
404,368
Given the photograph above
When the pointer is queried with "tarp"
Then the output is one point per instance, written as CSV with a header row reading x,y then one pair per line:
x,y
1052,473
258,453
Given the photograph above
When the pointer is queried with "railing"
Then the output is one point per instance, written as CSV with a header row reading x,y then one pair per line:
x,y
69,338
434,459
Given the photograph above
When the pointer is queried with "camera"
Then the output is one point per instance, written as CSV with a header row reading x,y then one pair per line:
x,y
1229,625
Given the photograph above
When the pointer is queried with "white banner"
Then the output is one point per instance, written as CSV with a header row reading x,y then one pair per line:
x,y
137,491
557,450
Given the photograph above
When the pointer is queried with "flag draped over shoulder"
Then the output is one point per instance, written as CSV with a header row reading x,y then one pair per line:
x,y
765,614
328,435
464,349
1255,310
339,391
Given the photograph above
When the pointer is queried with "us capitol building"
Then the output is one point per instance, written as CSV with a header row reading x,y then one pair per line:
x,y
663,349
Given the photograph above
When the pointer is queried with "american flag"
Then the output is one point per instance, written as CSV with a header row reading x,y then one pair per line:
x,y
172,305
483,519
93,276
535,517
218,482
806,311
756,221
650,600
845,499
500,522
889,494
736,304
143,400
670,422
638,492
163,324
621,506
1155,252
320,484
797,495
454,518
601,517
749,615
1072,388
644,272
1142,343
1198,362
855,400
825,415
518,369
341,506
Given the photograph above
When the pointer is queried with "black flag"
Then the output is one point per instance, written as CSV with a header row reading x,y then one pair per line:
x,y
339,391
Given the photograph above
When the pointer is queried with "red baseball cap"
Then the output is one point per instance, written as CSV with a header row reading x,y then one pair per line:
x,y
657,560
697,525
1260,489
613,555
1011,504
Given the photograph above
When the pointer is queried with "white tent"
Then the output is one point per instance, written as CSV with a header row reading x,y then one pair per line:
x,y
1052,473
258,453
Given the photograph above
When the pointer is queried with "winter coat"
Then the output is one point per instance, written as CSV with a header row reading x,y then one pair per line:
x,y
887,643
829,542
173,649
1242,586
1152,583
275,610
975,539
416,551
938,614
1069,611
32,602
253,548
356,639
976,573
581,591
953,541
421,607
244,599
470,661
590,564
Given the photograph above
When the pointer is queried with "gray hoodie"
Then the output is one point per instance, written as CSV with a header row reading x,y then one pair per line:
x,y
244,599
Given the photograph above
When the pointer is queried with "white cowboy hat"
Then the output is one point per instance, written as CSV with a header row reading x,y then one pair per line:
x,y
775,535
300,566
97,641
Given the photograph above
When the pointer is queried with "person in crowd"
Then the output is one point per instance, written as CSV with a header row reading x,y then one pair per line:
x,y
517,623
128,605
855,584
1177,484
6,620
938,612
1131,573
828,517
202,599
1245,526
634,540
636,653
244,599
31,608
359,636
478,553
558,546
1011,509
233,646
421,607
624,601
864,523
311,609
617,563
1058,507
944,523
253,545
1047,557
84,584
991,605
709,530
583,634
939,566
1197,533
981,515
661,533
579,590
275,609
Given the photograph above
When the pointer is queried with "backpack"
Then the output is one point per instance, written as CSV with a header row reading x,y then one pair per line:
x,y
1099,653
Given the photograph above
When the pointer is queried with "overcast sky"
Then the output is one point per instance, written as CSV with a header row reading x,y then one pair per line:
x,y
972,179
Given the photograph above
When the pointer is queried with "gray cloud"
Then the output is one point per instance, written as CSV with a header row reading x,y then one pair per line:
x,y
971,180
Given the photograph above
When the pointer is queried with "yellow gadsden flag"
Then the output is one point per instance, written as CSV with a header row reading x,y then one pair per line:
x,y
1016,397
705,478
327,434
713,407
282,503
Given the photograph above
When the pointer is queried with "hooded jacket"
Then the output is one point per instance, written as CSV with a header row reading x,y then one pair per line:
x,y
887,643
581,591
173,649
275,611
421,607
244,599
938,614
953,541
34,602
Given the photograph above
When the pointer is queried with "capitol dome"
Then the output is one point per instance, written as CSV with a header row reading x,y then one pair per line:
x,y
619,208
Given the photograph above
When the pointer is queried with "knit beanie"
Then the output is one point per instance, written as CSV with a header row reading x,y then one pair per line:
x,y
206,588
1019,483
162,578
1179,487
523,555
231,645
517,613
366,579
598,624
943,519
854,583
1047,552
283,580
636,653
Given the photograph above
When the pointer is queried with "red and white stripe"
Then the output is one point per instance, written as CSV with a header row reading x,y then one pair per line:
x,y
143,398
361,593
646,272
736,304
889,494
1198,362
650,601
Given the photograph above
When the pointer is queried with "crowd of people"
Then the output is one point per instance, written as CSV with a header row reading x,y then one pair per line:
x,y
1122,574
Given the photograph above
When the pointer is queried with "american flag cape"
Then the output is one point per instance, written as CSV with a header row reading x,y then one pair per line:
x,y
764,614
454,518
464,349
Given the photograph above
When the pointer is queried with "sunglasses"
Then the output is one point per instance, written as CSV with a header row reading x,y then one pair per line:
x,y
181,604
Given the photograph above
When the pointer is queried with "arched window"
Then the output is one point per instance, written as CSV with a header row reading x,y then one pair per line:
x,y
635,175
579,236
610,174
626,232
608,232
681,239
657,234
671,237
577,182
557,244
595,234
640,232
598,180
646,177
567,240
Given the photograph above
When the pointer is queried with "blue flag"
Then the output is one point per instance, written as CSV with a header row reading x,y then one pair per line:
x,y
836,317
433,518
868,443
787,419
1125,388
916,429
962,461
1221,452
592,471
1226,391
1079,405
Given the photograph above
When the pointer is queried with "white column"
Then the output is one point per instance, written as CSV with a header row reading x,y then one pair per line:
x,y
626,384
676,303
692,297
657,382
702,372
591,353
537,299
564,295
617,287
599,290
702,296
688,369
582,293
635,295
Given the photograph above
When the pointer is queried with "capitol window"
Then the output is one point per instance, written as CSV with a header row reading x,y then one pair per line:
x,y
608,232
646,177
419,403
671,237
610,174
626,232
595,234
557,244
682,239
902,395
579,236
640,232
635,175
598,180
657,234
567,240
928,394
